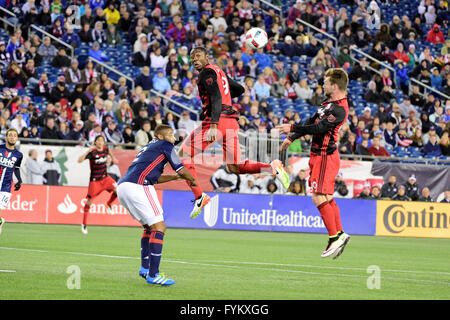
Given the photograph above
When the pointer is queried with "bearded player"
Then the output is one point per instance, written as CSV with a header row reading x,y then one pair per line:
x,y
324,160
99,180
219,123
10,160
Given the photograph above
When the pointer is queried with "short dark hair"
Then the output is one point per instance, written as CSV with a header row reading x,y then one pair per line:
x,y
11,130
161,129
202,49
338,76
98,137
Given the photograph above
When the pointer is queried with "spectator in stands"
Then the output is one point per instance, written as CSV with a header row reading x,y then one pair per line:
x,y
417,138
389,189
112,133
248,185
95,131
61,61
177,33
436,80
112,36
431,132
432,147
376,149
185,125
446,197
85,34
376,192
396,116
444,143
50,131
401,194
47,50
372,95
437,116
160,82
144,80
435,35
412,189
111,13
73,75
416,98
365,194
60,91
96,53
363,148
366,117
425,195
143,136
225,181
262,89
287,48
34,169
52,171
406,107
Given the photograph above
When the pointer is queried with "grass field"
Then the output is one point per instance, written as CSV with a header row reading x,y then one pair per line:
x,y
212,264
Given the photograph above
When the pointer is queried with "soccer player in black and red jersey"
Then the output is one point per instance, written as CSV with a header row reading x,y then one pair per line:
x,y
324,160
99,180
219,123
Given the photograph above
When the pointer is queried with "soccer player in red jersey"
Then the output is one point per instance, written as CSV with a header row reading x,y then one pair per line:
x,y
99,180
219,123
324,160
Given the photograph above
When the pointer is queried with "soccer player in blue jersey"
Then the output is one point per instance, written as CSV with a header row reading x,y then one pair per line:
x,y
137,194
10,160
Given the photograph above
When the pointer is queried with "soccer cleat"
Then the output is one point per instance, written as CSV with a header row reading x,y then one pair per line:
x,y
334,243
199,204
346,239
2,222
143,272
160,279
280,173
84,229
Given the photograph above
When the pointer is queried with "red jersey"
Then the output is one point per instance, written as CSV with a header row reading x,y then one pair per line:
x,y
216,90
97,162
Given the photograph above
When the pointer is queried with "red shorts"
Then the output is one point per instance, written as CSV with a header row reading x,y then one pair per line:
x,y
96,187
323,172
227,136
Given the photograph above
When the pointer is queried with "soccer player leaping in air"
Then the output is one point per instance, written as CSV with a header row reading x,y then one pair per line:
x,y
10,160
219,123
324,157
137,194
99,180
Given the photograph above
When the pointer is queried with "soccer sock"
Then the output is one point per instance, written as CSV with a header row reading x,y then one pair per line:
x,y
112,198
196,190
253,167
85,213
145,249
337,215
328,217
156,245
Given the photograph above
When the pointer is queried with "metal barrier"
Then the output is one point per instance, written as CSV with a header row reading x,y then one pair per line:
x,y
168,99
38,29
426,88
72,143
104,65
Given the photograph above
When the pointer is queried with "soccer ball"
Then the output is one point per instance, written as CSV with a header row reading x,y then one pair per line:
x,y
256,38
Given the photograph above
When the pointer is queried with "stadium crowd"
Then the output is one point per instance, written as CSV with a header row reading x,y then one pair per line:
x,y
80,101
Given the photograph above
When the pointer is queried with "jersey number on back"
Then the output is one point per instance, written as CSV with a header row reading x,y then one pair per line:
x,y
140,152
225,85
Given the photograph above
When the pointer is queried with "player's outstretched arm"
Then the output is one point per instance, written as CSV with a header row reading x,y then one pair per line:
x,y
208,79
84,155
186,175
168,177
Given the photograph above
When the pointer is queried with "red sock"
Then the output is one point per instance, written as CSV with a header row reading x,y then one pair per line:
x,y
253,167
85,213
196,190
337,214
328,217
111,200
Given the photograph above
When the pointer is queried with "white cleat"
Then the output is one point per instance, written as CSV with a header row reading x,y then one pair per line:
x,y
84,229
332,247
199,204
346,239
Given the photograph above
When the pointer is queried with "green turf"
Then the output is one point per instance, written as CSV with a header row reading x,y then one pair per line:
x,y
212,264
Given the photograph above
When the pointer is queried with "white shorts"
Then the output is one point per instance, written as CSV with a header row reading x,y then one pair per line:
x,y
141,202
4,200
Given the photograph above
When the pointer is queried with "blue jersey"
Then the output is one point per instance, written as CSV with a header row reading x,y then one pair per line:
x,y
9,160
150,162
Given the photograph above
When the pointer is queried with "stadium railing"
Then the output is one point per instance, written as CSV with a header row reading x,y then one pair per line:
x,y
112,69
424,93
11,15
42,31
170,100
71,143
